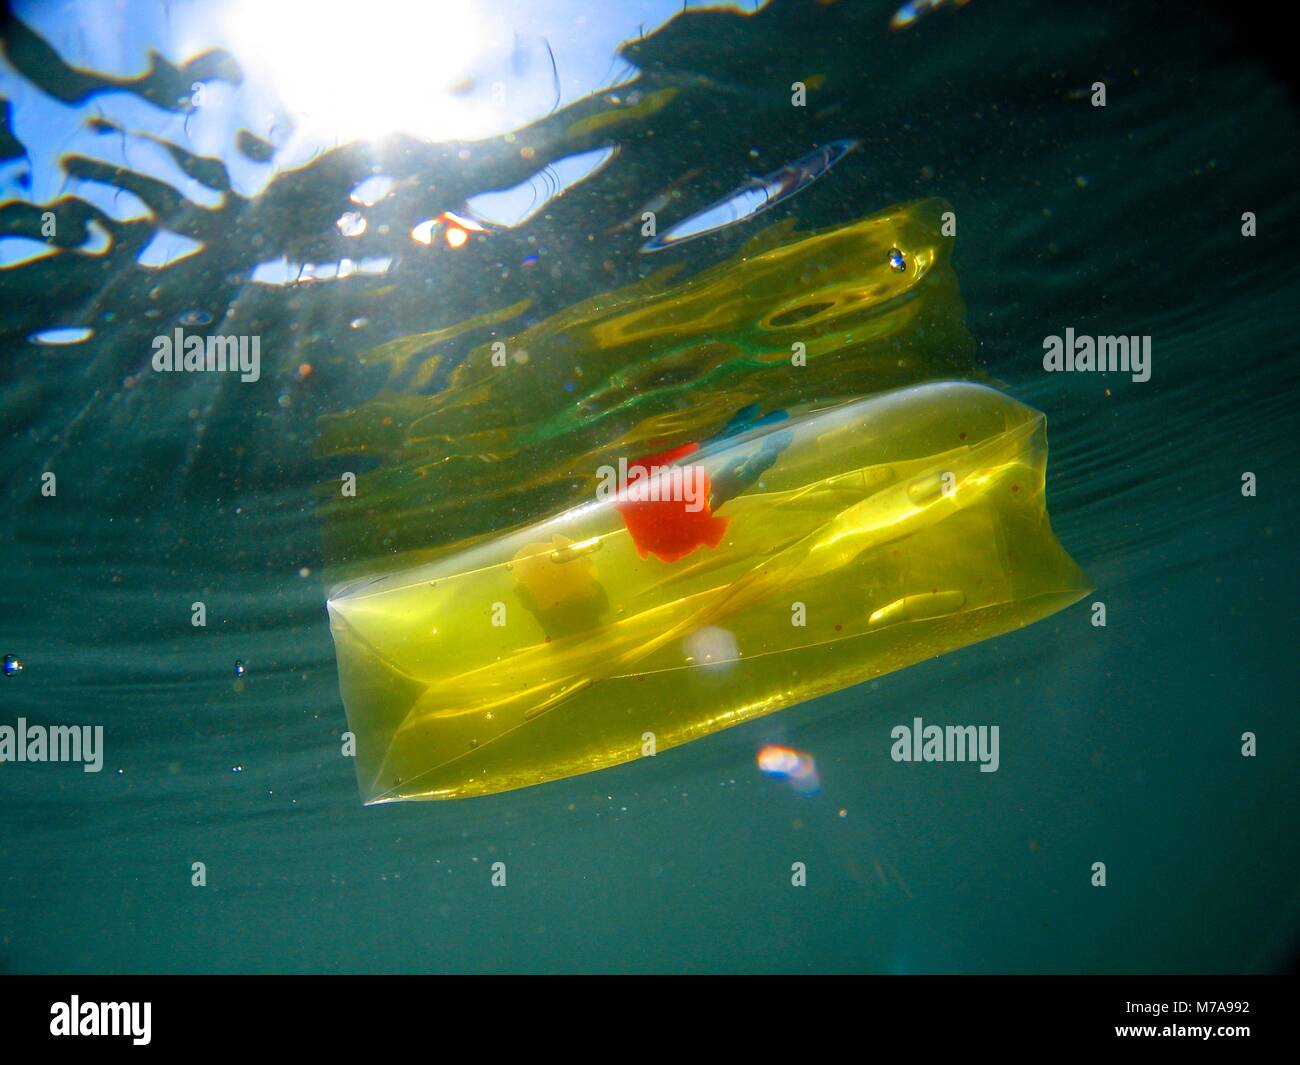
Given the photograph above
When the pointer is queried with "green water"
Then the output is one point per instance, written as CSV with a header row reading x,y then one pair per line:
x,y
1119,744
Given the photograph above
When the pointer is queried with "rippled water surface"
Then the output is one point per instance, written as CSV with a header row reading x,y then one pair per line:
x,y
381,198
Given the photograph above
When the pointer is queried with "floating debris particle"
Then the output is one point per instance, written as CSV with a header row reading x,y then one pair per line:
x,y
788,764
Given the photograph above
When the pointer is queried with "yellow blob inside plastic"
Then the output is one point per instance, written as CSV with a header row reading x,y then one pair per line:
x,y
883,532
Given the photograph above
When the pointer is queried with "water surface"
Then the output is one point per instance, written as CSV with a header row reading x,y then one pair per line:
x,y
1120,744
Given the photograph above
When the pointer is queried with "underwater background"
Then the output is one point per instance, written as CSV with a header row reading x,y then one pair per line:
x,y
312,175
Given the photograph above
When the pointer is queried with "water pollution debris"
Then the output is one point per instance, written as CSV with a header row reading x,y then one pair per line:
x,y
882,532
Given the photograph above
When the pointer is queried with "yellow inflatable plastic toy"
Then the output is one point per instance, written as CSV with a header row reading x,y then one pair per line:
x,y
701,588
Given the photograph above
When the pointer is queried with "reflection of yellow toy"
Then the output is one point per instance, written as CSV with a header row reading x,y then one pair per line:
x,y
791,318
882,532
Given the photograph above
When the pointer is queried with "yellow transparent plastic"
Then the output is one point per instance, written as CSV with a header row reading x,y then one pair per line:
x,y
668,358
886,531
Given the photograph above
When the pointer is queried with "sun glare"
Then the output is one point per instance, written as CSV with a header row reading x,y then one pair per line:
x,y
359,71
